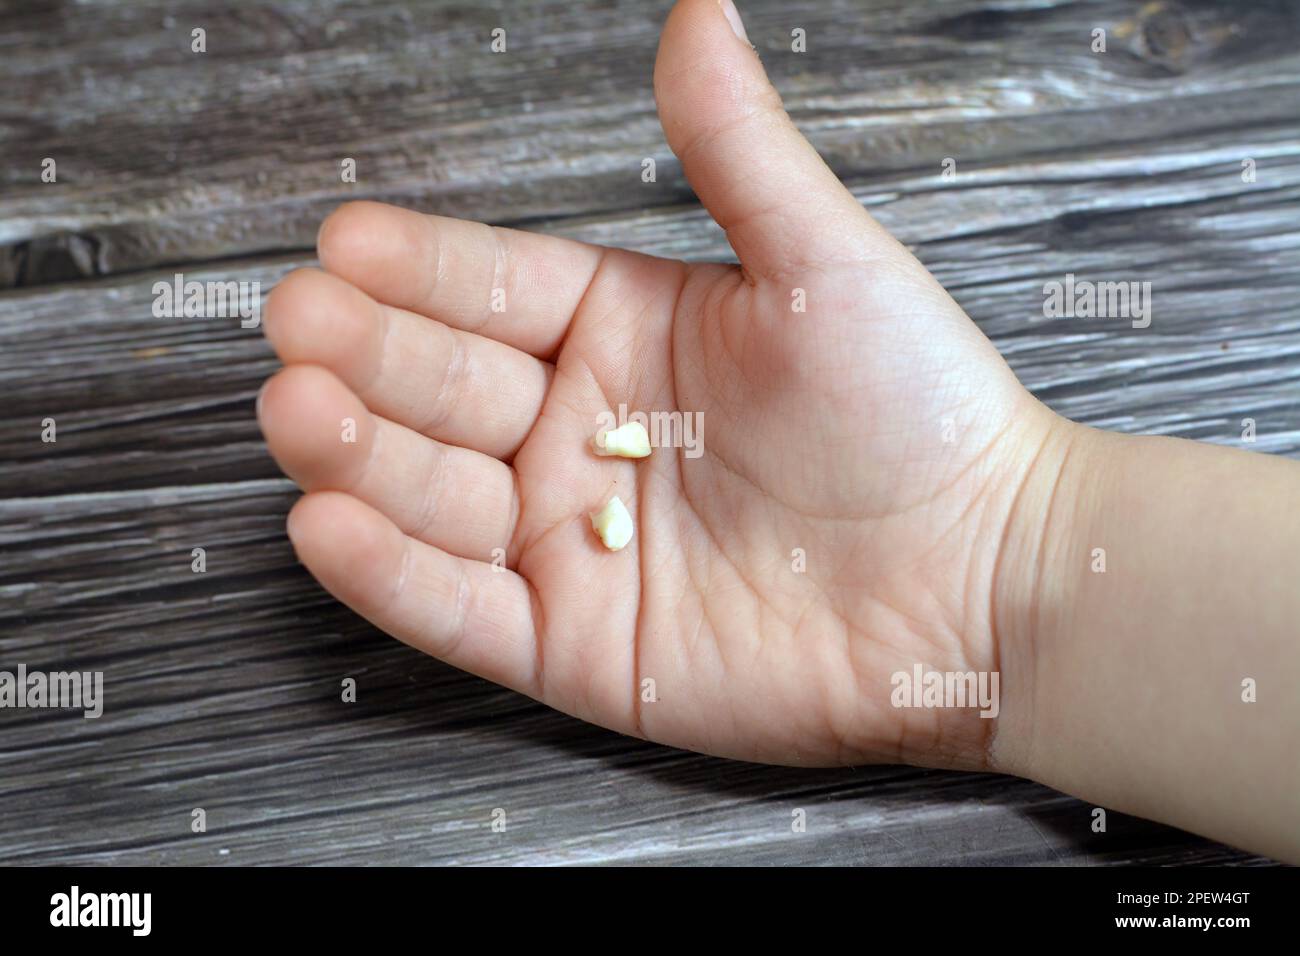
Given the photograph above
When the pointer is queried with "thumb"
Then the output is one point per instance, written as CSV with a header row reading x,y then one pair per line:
x,y
781,206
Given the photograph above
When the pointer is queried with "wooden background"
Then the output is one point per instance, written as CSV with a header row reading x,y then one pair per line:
x,y
223,688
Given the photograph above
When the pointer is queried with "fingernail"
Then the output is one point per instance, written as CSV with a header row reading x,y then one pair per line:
x,y
257,407
733,17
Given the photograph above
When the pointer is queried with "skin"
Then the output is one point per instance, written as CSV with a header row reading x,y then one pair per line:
x,y
942,515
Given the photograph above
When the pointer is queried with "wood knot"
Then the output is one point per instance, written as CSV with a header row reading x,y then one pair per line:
x,y
1164,36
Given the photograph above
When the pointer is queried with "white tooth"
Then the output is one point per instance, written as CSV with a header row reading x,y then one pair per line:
x,y
626,441
613,524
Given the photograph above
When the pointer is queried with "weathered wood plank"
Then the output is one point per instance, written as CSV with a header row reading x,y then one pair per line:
x,y
1224,344
166,155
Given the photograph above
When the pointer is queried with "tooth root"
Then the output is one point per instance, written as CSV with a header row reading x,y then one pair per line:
x,y
613,524
626,441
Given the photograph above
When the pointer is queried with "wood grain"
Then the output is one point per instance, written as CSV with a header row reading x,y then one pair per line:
x,y
223,688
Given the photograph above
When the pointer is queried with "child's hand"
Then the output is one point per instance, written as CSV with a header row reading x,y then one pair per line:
x,y
875,492
854,423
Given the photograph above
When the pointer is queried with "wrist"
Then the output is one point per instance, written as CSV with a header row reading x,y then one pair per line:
x,y
1044,548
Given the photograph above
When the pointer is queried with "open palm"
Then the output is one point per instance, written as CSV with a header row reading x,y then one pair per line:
x,y
861,448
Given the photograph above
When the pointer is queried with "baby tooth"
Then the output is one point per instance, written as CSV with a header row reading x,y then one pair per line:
x,y
626,441
613,524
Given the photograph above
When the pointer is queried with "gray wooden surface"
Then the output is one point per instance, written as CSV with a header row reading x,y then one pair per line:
x,y
223,688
